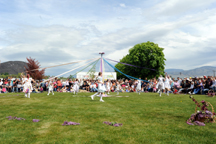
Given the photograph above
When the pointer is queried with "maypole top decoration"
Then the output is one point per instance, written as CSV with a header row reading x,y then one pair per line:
x,y
101,65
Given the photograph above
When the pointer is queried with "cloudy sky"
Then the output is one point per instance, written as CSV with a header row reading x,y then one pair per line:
x,y
61,31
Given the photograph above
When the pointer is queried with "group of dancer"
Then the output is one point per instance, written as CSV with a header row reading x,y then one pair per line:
x,y
27,86
164,84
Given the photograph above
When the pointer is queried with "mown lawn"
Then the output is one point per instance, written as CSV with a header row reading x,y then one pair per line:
x,y
146,118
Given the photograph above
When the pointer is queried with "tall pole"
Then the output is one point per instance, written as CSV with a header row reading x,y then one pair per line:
x,y
101,65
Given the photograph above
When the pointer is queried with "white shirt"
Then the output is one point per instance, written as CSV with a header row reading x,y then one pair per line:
x,y
192,86
179,81
63,83
139,82
28,81
160,80
118,87
19,85
67,82
213,83
1,83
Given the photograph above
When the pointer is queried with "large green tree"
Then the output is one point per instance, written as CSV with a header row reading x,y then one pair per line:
x,y
148,55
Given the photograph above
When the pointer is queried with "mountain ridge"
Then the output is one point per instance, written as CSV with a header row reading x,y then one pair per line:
x,y
15,67
12,67
196,72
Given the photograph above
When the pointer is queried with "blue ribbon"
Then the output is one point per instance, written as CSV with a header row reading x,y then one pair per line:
x,y
130,77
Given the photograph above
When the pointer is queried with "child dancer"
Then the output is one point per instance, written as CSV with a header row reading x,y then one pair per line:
x,y
160,84
50,87
27,89
76,86
101,87
138,88
167,84
118,87
108,84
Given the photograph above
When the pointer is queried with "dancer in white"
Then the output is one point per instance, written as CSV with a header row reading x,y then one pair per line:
x,y
167,84
138,88
118,87
50,87
27,88
23,82
160,84
108,85
101,87
76,86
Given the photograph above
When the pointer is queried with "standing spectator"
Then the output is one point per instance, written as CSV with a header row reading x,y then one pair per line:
x,y
59,84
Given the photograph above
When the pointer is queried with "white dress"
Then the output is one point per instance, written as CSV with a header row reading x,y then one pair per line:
x,y
108,86
118,87
50,87
27,87
101,87
167,83
76,86
160,84
138,85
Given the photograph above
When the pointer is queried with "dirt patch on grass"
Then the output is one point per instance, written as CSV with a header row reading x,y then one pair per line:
x,y
47,125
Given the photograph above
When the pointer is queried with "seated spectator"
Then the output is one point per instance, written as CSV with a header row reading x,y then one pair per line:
x,y
59,84
191,88
175,91
187,86
213,86
176,85
86,86
94,87
182,86
71,88
19,87
197,87
208,84
41,89
64,89
4,89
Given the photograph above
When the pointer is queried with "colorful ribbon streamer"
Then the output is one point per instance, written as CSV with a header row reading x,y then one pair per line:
x,y
131,65
130,77
60,65
69,70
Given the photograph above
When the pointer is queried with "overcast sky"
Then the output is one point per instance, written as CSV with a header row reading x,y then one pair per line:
x,y
61,31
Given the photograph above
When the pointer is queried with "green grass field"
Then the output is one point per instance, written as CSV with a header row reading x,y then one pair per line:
x,y
146,118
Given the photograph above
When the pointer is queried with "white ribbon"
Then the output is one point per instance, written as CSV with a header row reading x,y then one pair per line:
x,y
60,65
70,70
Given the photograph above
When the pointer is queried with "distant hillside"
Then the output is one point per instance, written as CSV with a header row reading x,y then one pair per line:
x,y
12,67
197,72
173,70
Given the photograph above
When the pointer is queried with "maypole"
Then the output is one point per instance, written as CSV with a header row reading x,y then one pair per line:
x,y
101,65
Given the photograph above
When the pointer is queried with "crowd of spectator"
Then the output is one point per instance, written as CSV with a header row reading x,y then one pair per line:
x,y
196,85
